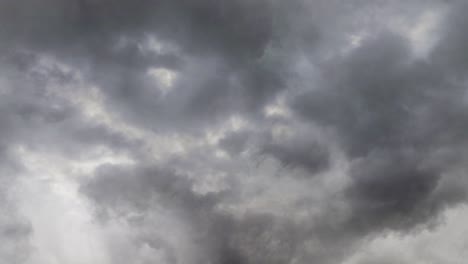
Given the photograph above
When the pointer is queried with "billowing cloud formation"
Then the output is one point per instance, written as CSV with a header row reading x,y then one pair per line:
x,y
230,132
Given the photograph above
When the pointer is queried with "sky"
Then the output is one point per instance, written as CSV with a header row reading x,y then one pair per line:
x,y
233,132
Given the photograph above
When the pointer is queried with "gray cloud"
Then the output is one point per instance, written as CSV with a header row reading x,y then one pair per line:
x,y
196,108
392,114
299,152
15,230
14,235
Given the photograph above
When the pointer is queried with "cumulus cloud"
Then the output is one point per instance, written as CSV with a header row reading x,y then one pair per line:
x,y
230,132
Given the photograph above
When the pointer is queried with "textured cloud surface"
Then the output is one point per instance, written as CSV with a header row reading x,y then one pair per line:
x,y
233,131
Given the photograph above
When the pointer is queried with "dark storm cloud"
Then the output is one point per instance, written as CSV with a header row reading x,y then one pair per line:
x,y
235,142
236,26
449,51
393,192
392,114
299,152
398,120
134,192
136,185
224,239
221,52
33,102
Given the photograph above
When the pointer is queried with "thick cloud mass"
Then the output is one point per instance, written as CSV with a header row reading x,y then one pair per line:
x,y
232,131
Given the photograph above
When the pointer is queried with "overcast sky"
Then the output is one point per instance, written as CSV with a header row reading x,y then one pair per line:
x,y
233,131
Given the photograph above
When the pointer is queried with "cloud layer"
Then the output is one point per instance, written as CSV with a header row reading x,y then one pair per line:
x,y
231,132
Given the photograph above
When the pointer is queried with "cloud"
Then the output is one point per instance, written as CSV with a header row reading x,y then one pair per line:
x,y
229,131
392,114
